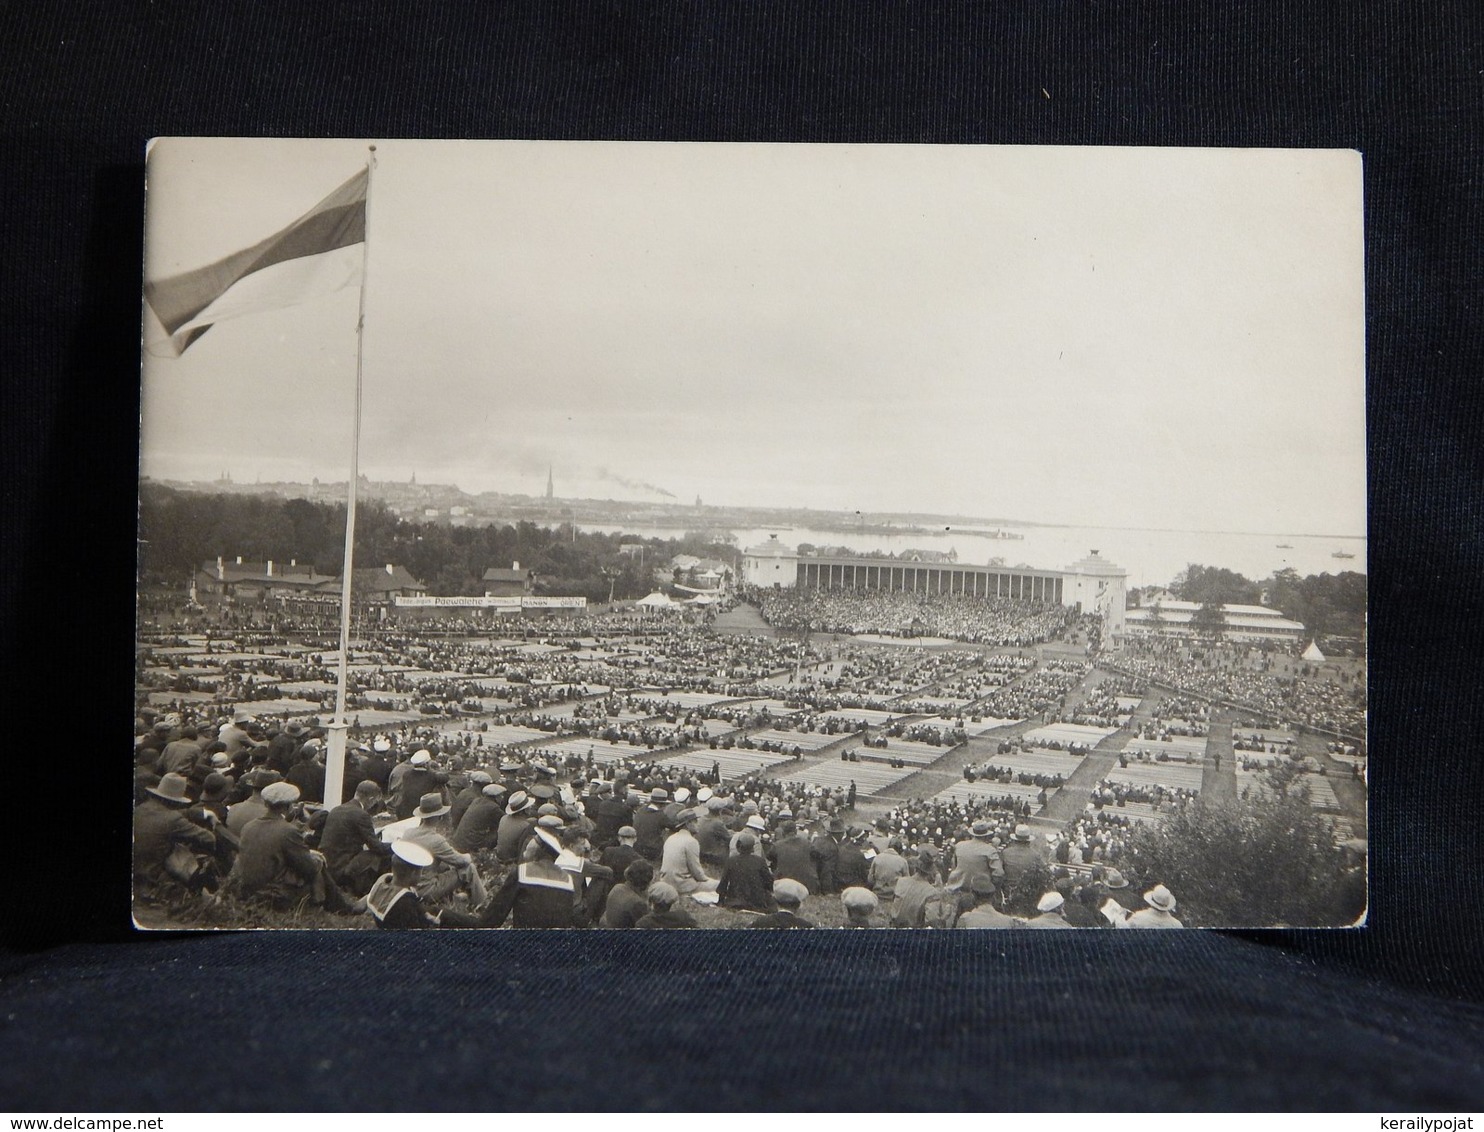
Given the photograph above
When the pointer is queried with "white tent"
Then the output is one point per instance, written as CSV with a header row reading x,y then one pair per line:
x,y
1312,652
655,600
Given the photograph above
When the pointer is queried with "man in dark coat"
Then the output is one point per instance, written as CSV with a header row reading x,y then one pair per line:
x,y
790,897
745,879
538,893
460,803
626,902
283,746
651,824
852,870
479,828
422,777
160,824
827,855
662,910
613,814
619,857
795,858
273,862
308,774
354,852
180,756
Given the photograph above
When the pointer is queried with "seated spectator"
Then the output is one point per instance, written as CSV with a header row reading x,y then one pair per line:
x,y
627,902
984,914
1049,912
1159,914
662,910
859,904
790,895
393,901
745,879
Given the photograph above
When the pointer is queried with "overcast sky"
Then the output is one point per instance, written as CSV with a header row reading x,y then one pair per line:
x,y
1139,337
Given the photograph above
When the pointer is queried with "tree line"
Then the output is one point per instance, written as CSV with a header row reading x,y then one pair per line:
x,y
181,530
1327,604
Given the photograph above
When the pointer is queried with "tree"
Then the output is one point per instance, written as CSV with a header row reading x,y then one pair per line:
x,y
1213,584
1209,621
1267,861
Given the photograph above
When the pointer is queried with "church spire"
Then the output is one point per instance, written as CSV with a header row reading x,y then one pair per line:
x,y
549,491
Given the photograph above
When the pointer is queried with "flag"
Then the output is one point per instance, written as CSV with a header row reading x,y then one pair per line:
x,y
315,255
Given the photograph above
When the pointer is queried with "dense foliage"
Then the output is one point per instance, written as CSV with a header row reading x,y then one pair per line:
x,y
1327,604
1267,860
181,530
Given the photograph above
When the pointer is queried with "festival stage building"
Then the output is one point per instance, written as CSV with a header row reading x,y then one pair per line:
x,y
1092,584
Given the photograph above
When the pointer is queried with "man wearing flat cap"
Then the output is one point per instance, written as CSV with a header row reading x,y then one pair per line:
x,y
479,828
242,814
620,856
790,895
662,910
1049,912
984,914
274,863
859,904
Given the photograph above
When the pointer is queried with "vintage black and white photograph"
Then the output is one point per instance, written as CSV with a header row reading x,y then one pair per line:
x,y
750,536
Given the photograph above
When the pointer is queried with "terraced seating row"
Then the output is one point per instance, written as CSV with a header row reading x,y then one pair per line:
x,y
1187,747
971,792
1172,776
869,778
912,753
733,764
1037,762
804,740
1067,733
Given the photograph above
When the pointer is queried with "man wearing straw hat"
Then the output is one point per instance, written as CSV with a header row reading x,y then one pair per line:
x,y
451,870
1159,914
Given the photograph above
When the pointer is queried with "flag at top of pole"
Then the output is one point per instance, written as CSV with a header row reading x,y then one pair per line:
x,y
323,251
316,255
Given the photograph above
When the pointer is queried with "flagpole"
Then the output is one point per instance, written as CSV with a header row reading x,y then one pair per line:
x,y
339,726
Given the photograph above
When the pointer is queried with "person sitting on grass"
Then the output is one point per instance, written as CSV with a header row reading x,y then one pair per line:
x,y
626,902
859,903
275,865
393,901
662,910
790,895
745,880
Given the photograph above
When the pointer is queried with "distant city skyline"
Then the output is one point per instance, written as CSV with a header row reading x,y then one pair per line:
x,y
1138,339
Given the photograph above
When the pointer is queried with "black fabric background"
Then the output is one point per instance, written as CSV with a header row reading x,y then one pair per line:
x,y
93,1016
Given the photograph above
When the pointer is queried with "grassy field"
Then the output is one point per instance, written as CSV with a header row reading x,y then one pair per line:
x,y
227,915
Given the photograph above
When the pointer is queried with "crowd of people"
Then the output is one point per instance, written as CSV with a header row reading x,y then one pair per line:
x,y
1263,687
958,617
424,839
